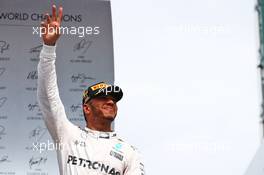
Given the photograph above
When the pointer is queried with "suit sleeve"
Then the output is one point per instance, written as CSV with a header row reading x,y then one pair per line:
x,y
135,165
48,95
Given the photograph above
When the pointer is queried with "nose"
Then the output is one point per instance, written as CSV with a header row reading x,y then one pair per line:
x,y
110,101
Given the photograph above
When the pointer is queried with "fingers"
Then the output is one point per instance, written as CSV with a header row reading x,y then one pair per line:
x,y
48,18
60,14
43,28
54,15
43,24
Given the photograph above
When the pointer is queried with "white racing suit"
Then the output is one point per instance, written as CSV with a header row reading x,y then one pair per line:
x,y
81,151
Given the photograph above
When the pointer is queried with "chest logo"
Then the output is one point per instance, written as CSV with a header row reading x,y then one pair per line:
x,y
116,155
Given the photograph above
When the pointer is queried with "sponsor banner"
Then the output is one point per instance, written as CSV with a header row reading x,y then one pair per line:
x,y
84,57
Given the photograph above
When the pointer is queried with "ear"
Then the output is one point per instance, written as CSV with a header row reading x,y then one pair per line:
x,y
86,109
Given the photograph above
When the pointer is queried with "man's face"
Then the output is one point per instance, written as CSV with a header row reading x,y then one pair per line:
x,y
104,107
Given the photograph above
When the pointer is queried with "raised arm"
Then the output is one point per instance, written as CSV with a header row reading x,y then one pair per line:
x,y
48,94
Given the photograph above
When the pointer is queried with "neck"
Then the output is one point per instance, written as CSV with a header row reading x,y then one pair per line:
x,y
99,125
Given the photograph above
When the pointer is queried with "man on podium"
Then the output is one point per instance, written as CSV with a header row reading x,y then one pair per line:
x,y
96,149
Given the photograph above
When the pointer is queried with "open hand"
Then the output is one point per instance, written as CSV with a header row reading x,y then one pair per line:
x,y
50,27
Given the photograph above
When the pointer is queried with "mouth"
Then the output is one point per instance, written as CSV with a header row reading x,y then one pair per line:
x,y
109,108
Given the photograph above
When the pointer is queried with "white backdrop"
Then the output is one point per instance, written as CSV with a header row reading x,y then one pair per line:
x,y
192,87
